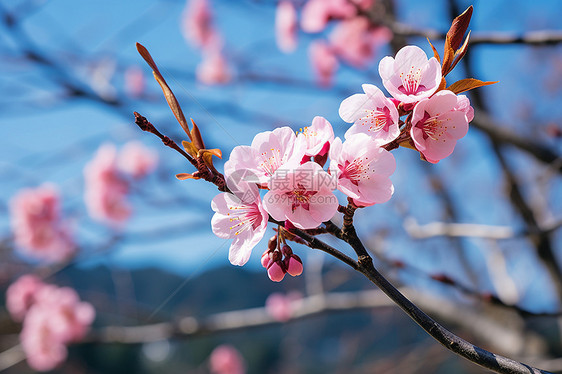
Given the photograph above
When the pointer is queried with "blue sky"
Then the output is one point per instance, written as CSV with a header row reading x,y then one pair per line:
x,y
45,143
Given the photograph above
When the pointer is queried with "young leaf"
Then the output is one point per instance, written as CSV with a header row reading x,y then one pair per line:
x,y
168,94
184,176
435,53
190,148
467,84
448,57
208,154
459,27
197,140
459,54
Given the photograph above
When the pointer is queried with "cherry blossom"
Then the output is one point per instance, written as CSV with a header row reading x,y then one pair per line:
x,y
55,318
245,222
280,306
371,113
437,124
286,26
324,62
225,359
269,151
362,170
37,225
356,42
70,318
42,349
317,136
137,160
197,23
20,296
317,13
214,68
410,77
105,190
303,195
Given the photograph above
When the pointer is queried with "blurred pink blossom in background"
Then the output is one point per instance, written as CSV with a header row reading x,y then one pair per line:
x,y
280,306
37,226
324,62
197,23
105,188
225,359
213,69
20,296
356,42
137,160
286,26
52,318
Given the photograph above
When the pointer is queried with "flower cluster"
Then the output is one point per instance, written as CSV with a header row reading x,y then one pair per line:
x,y
37,225
299,182
52,318
107,180
436,118
353,40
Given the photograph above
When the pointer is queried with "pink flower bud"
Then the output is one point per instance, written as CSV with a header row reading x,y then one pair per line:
x,y
275,271
294,265
265,259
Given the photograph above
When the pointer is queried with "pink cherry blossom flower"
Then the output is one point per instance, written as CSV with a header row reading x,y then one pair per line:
x,y
42,349
317,137
410,77
137,160
213,69
70,318
225,359
37,226
362,169
20,296
56,318
324,62
463,104
356,42
134,81
197,23
286,26
437,124
280,306
317,13
302,195
245,222
371,113
105,190
269,151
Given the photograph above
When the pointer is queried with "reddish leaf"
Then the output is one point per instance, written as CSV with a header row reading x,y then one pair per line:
x,y
197,140
459,27
208,154
190,148
184,176
435,53
467,84
168,94
448,57
459,54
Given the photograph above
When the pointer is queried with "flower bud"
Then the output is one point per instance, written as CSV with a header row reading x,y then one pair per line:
x,y
275,271
286,250
294,265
